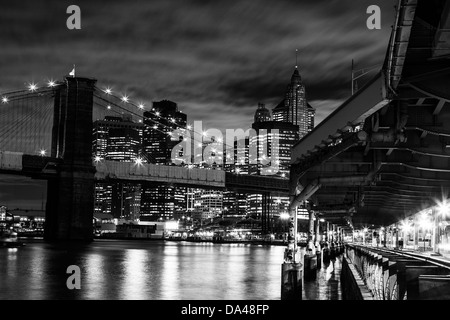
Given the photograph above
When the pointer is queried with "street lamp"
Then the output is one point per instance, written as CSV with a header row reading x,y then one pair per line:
x,y
443,208
138,161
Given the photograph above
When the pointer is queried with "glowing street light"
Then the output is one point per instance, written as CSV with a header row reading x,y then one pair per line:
x,y
51,84
5,100
138,161
141,106
443,208
108,107
42,152
405,226
32,87
284,216
97,159
424,222
125,98
108,90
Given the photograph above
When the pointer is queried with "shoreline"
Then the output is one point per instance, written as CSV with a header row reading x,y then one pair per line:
x,y
252,242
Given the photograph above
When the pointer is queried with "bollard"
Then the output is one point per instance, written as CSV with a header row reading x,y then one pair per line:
x,y
326,254
341,248
291,281
319,258
333,251
310,266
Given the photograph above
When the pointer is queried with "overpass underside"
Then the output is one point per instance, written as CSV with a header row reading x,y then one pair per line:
x,y
385,153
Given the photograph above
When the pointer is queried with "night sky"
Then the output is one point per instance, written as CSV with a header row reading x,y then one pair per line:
x,y
216,59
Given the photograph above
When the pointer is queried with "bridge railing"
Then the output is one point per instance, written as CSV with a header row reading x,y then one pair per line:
x,y
374,271
11,160
395,275
159,173
257,182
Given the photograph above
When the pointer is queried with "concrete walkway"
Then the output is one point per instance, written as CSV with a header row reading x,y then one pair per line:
x,y
327,286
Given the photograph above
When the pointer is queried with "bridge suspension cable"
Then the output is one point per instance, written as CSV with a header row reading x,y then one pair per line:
x,y
140,106
26,120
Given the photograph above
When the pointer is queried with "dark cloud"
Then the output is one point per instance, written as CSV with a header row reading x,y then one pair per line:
x,y
216,59
208,52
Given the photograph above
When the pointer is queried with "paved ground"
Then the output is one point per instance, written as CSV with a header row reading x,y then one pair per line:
x,y
327,286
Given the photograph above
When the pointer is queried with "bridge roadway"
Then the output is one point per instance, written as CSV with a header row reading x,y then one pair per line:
x,y
40,167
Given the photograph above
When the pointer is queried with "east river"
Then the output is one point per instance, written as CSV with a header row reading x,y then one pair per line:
x,y
149,270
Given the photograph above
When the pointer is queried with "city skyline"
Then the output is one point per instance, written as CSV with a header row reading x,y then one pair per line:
x,y
217,75
193,149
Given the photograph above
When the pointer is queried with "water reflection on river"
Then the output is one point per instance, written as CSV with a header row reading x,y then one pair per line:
x,y
151,270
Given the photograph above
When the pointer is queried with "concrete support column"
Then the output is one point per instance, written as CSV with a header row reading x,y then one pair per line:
x,y
326,245
416,234
396,237
385,236
435,232
317,243
310,258
292,254
310,245
291,269
318,238
338,236
333,242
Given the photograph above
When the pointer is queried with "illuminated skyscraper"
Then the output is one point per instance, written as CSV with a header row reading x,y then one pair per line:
x,y
294,107
117,139
160,201
273,142
271,135
158,123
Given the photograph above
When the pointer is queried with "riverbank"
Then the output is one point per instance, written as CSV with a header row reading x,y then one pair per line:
x,y
272,242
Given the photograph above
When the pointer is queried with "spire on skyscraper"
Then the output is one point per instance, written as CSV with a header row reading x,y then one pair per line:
x,y
294,108
296,75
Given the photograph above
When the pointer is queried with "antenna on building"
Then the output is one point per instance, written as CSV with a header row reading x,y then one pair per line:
x,y
353,77
296,58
